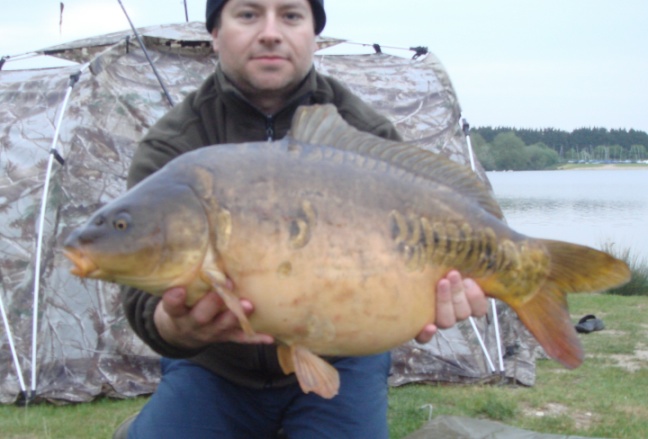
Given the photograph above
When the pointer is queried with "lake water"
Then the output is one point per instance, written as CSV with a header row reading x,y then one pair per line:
x,y
592,207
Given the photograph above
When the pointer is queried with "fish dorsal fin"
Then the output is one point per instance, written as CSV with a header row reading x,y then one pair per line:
x,y
323,125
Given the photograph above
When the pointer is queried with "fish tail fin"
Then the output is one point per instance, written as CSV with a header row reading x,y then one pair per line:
x,y
577,268
573,268
313,373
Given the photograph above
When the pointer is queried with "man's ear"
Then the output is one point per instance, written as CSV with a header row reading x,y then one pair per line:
x,y
214,34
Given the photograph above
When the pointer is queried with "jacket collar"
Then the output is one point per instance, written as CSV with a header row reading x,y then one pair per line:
x,y
232,95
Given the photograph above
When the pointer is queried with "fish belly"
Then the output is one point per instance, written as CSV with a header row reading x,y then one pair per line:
x,y
340,294
352,317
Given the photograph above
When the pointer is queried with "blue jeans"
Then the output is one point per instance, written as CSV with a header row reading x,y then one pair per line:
x,y
193,403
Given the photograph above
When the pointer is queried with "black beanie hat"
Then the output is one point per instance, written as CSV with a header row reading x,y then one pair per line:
x,y
214,7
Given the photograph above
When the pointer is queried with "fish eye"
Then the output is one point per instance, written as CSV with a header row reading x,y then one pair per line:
x,y
121,224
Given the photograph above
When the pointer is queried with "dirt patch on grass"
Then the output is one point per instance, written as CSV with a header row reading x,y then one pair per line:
x,y
613,333
638,411
632,363
629,362
582,420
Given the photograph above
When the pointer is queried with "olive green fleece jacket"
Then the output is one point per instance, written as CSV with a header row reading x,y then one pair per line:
x,y
217,113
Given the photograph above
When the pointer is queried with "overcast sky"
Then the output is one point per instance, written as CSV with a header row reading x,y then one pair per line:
x,y
525,63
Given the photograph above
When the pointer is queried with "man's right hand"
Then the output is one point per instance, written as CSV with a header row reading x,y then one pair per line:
x,y
208,321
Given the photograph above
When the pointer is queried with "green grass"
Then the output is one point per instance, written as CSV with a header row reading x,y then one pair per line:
x,y
638,285
605,397
96,420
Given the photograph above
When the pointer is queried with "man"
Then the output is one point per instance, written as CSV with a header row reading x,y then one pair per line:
x,y
216,381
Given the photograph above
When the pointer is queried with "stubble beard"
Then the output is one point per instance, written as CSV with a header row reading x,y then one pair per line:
x,y
269,86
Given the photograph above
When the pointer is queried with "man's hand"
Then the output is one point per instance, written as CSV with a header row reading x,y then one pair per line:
x,y
456,300
208,321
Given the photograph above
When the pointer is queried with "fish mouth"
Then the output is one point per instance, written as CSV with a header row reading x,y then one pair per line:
x,y
83,265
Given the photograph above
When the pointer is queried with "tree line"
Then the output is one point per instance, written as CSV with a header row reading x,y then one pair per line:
x,y
505,148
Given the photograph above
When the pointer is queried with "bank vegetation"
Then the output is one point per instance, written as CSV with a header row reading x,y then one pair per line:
x,y
504,148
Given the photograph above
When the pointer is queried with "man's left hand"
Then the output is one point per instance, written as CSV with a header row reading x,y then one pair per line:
x,y
456,300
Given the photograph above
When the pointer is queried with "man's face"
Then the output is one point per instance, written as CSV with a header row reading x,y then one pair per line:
x,y
265,46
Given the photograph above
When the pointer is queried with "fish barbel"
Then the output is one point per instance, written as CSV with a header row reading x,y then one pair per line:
x,y
338,238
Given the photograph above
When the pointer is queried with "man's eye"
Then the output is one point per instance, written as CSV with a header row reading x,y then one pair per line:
x,y
246,15
292,16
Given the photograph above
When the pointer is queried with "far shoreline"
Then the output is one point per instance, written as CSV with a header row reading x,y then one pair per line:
x,y
587,167
600,166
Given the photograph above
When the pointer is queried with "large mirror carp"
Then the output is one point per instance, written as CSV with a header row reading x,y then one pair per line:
x,y
338,238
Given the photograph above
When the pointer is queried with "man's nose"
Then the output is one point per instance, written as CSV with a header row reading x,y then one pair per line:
x,y
271,32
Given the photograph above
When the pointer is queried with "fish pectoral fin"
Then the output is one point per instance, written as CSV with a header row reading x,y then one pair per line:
x,y
230,299
314,374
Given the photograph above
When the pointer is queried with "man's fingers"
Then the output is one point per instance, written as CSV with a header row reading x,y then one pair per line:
x,y
207,321
456,300
426,333
241,337
207,308
459,301
173,301
478,302
445,315
247,307
229,326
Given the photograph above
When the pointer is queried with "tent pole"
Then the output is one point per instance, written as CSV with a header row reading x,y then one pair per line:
x,y
53,155
146,54
482,344
465,127
14,355
466,130
498,337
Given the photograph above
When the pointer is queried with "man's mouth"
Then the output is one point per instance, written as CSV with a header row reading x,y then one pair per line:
x,y
269,57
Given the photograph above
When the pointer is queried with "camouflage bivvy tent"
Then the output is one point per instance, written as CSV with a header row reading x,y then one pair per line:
x,y
72,131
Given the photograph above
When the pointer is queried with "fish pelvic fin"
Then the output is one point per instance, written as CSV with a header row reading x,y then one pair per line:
x,y
230,299
314,374
572,269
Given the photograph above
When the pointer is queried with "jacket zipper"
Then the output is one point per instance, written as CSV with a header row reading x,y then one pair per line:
x,y
270,128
